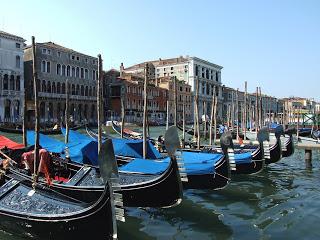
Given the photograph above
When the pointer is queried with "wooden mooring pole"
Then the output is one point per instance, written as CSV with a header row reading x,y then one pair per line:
x,y
167,123
66,138
211,116
122,116
99,102
308,157
197,113
145,111
36,112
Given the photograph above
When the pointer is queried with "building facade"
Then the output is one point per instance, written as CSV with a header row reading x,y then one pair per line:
x,y
190,70
129,87
11,77
57,66
184,97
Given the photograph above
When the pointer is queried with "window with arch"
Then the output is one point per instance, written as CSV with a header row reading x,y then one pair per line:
x,y
5,82
78,90
86,74
94,91
58,69
68,71
48,67
11,87
73,72
53,90
78,72
63,88
43,86
18,83
82,90
63,70
17,61
43,66
90,91
58,88
49,87
82,73
73,90
86,91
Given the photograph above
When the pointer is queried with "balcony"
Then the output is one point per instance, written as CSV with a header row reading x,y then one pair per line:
x,y
11,93
63,96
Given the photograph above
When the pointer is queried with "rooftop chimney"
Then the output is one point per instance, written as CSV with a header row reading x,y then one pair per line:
x,y
121,70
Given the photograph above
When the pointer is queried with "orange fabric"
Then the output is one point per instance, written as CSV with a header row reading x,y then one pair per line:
x,y
6,142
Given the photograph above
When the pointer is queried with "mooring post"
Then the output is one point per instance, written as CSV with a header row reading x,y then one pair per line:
x,y
308,157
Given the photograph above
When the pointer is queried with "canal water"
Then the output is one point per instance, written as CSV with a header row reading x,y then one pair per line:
x,y
281,202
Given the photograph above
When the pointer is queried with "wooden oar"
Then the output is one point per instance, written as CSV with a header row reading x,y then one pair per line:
x,y
7,157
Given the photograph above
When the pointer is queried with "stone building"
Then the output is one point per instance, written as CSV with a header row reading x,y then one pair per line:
x,y
11,77
55,66
184,96
130,88
190,70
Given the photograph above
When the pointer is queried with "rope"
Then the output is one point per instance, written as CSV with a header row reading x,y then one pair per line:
x,y
223,176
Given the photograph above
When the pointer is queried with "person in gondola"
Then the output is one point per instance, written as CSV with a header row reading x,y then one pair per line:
x,y
160,143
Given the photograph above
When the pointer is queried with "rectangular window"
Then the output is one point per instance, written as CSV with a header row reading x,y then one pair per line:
x,y
18,45
44,50
49,51
78,58
59,54
72,57
86,60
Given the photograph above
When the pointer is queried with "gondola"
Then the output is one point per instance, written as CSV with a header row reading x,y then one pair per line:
x,y
127,133
39,212
305,132
159,187
248,159
48,131
204,170
288,145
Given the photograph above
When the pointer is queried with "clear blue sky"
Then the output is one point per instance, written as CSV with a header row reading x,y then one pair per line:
x,y
274,44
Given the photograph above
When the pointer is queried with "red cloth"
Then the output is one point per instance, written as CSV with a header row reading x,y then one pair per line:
x,y
44,157
6,142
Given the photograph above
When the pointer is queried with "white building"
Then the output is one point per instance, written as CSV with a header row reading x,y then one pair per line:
x,y
11,77
190,70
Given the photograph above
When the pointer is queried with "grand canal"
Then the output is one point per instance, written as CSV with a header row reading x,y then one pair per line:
x,y
282,202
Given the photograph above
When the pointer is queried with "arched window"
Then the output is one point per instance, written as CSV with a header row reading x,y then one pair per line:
x,y
92,111
78,90
73,90
11,87
94,91
73,72
18,83
53,87
5,82
58,69
90,91
42,110
58,87
68,71
86,91
7,109
82,90
86,74
63,88
77,72
43,66
43,87
49,87
63,70
17,61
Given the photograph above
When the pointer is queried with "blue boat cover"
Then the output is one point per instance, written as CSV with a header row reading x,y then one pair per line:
x,y
200,163
241,158
46,142
146,166
195,164
82,149
124,147
134,148
276,128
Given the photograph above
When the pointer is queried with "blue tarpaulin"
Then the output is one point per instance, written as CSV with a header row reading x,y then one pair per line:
x,y
241,158
195,164
46,142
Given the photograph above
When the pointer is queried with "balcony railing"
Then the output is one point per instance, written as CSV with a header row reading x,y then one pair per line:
x,y
72,97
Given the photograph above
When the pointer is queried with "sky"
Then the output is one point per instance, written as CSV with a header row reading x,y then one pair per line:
x,y
273,44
